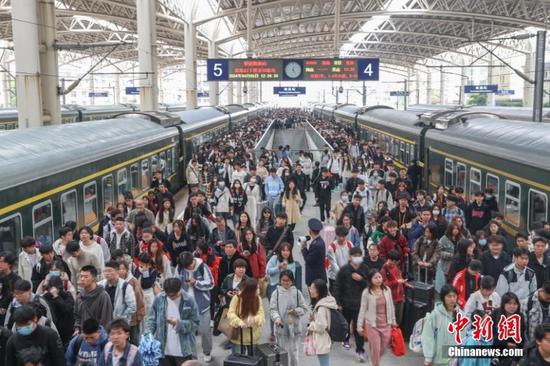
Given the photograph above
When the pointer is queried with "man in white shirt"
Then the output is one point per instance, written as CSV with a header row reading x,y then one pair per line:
x,y
29,256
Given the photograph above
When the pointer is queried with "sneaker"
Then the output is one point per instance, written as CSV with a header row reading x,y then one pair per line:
x,y
272,338
346,345
361,356
207,358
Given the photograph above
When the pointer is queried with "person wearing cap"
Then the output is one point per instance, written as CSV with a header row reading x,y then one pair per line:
x,y
28,257
42,268
402,213
7,280
314,253
452,209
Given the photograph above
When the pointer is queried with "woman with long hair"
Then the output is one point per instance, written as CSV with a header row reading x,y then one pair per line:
x,y
177,241
509,305
238,200
439,219
253,195
245,312
426,254
196,232
447,249
435,337
165,217
265,222
205,177
377,313
440,198
319,319
292,200
459,222
160,259
253,252
243,223
346,168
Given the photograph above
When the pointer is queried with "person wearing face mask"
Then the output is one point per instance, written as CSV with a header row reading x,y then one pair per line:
x,y
221,199
31,337
254,196
348,287
439,221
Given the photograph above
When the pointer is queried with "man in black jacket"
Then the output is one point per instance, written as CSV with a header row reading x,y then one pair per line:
x,y
314,253
348,288
274,233
324,193
537,352
229,257
477,214
301,183
356,213
7,281
495,259
33,344
220,235
42,268
351,184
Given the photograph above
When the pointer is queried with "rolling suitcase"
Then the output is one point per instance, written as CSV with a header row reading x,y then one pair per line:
x,y
272,355
419,300
242,359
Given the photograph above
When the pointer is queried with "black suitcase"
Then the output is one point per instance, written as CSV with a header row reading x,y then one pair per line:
x,y
272,355
421,292
242,359
412,312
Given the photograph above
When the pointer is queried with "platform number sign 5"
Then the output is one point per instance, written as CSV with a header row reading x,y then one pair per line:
x,y
217,69
368,69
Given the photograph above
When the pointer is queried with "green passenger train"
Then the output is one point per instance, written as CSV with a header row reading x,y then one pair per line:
x,y
472,149
72,172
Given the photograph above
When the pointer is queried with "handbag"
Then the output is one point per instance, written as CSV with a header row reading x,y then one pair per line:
x,y
226,328
263,284
397,342
309,346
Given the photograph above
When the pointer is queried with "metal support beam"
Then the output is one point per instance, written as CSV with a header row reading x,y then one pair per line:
x,y
249,24
539,77
229,91
441,86
190,66
364,95
27,62
239,92
147,54
213,86
48,60
490,76
337,7
429,88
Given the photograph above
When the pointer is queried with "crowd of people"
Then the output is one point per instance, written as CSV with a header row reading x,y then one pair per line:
x,y
141,289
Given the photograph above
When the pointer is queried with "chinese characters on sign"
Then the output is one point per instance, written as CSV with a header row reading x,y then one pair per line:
x,y
508,328
330,69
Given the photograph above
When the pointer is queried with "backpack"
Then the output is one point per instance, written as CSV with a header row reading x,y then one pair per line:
x,y
333,246
107,352
415,341
339,327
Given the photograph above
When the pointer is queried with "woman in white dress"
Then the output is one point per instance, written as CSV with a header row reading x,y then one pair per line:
x,y
252,190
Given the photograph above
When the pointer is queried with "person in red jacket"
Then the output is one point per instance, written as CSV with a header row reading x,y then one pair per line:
x,y
466,281
253,252
206,254
394,280
394,240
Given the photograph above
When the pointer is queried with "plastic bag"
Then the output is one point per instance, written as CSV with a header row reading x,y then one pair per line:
x,y
397,342
309,346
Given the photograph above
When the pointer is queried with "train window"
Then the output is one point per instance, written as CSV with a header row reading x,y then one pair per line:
x,y
407,153
395,152
134,179
162,162
108,186
461,175
42,222
69,206
11,233
512,203
448,173
174,159
145,180
90,203
538,203
122,183
493,182
475,181
154,164
412,153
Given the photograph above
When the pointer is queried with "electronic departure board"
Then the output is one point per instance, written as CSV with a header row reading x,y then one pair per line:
x,y
328,69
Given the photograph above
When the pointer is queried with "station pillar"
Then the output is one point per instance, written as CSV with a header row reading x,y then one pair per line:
x,y
491,100
229,90
441,86
190,65
214,87
528,88
33,24
429,87
147,54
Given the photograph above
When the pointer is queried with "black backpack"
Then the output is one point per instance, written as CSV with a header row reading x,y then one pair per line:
x,y
338,328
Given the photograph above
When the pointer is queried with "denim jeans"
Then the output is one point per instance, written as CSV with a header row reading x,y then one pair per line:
x,y
324,360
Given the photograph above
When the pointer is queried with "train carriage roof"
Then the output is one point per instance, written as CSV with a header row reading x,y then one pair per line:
x,y
197,115
519,141
32,153
389,118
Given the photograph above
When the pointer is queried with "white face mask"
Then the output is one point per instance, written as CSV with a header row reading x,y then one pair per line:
x,y
356,260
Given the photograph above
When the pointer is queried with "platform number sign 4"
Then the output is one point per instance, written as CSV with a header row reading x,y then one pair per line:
x,y
217,69
368,69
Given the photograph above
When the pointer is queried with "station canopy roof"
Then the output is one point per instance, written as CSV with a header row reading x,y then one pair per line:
x,y
402,33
